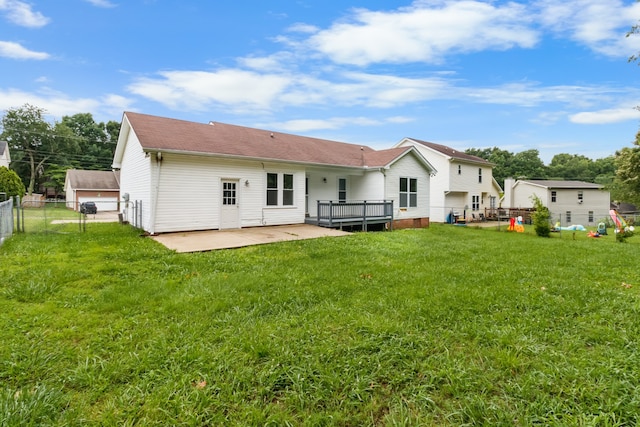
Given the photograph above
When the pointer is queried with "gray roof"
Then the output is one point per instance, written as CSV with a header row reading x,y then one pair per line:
x,y
93,180
562,184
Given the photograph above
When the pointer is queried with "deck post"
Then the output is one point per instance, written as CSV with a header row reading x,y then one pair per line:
x,y
364,216
331,214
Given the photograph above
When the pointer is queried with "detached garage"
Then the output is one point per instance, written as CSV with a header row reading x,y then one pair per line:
x,y
101,187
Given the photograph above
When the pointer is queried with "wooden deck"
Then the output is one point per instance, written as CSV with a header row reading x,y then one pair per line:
x,y
334,214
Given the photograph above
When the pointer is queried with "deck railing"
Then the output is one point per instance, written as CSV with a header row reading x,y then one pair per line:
x,y
336,214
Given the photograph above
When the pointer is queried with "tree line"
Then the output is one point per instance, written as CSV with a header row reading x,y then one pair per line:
x,y
42,152
619,173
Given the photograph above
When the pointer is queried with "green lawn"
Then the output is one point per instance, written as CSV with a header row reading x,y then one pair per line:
x,y
53,217
440,326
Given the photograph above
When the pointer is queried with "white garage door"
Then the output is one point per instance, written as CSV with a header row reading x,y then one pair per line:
x,y
102,203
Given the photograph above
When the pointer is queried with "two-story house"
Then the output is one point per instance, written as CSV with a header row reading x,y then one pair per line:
x,y
569,202
463,186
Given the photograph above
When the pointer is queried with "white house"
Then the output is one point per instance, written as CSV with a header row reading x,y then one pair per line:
x,y
569,202
5,158
177,176
464,184
101,187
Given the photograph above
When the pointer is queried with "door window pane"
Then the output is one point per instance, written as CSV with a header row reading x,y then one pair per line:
x,y
228,193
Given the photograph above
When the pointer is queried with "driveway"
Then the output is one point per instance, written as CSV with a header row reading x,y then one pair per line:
x,y
198,241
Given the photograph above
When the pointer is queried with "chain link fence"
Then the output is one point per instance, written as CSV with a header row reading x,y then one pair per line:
x,y
55,216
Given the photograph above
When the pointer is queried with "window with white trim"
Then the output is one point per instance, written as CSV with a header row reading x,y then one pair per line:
x,y
580,196
475,203
287,189
272,189
479,175
554,196
408,192
280,189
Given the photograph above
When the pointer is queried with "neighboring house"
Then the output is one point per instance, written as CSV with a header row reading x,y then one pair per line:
x,y
178,176
569,202
5,158
464,184
101,187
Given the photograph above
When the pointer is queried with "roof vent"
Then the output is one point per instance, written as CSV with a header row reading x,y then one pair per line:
x,y
271,135
212,123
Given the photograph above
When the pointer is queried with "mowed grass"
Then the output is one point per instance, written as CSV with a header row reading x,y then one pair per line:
x,y
54,217
440,326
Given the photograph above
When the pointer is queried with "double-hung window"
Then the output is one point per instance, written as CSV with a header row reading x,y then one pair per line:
x,y
479,175
554,196
475,203
272,189
278,184
408,192
287,190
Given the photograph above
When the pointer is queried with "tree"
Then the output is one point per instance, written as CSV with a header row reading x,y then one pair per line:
x,y
10,183
571,167
27,132
90,144
540,218
527,165
627,180
502,160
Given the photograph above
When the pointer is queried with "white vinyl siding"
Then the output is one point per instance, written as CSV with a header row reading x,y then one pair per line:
x,y
408,166
408,192
135,180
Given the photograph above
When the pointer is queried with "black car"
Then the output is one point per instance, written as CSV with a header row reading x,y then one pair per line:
x,y
88,208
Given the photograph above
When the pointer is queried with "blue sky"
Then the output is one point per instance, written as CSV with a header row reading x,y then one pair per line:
x,y
550,75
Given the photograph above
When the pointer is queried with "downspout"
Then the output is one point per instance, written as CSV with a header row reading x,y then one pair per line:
x,y
152,214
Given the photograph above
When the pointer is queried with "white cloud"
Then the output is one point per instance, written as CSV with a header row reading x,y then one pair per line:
x,y
279,61
58,104
200,89
600,25
303,28
425,32
20,13
102,3
305,125
16,51
241,90
606,116
333,123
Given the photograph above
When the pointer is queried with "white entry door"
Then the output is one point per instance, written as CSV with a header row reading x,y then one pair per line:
x,y
229,205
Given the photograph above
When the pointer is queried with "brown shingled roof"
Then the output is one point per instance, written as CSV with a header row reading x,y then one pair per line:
x,y
448,151
171,135
93,180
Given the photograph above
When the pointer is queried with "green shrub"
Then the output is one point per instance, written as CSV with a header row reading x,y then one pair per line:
x,y
541,218
10,183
